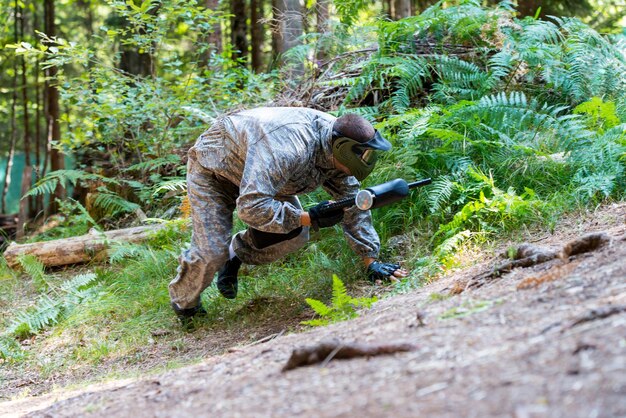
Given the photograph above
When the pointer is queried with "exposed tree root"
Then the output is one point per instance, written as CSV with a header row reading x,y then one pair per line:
x,y
598,313
328,350
553,274
585,244
528,255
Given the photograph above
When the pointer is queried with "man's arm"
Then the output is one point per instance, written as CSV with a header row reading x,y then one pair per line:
x,y
357,224
266,171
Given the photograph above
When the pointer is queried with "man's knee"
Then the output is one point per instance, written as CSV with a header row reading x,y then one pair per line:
x,y
198,261
249,253
262,239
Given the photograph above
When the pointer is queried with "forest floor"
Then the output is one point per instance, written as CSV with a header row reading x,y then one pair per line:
x,y
547,340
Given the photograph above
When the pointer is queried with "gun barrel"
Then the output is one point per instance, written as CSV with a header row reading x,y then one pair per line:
x,y
420,183
376,196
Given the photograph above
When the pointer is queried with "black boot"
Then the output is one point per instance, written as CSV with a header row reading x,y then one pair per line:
x,y
227,278
186,315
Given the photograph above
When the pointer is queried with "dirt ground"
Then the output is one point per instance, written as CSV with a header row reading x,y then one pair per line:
x,y
542,341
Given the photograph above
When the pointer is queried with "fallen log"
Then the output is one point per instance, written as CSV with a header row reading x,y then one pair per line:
x,y
74,250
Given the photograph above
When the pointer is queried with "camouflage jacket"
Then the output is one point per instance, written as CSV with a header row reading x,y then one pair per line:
x,y
274,152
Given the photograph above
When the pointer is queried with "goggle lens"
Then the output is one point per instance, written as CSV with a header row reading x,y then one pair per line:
x,y
368,155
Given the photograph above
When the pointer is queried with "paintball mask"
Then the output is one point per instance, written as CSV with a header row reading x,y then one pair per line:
x,y
359,157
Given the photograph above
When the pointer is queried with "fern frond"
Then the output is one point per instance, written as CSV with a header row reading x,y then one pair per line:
x,y
122,251
35,269
412,73
112,204
319,307
439,193
155,164
171,184
46,312
79,281
49,183
340,293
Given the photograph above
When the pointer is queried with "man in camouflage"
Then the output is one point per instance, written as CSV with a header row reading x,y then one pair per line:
x,y
256,162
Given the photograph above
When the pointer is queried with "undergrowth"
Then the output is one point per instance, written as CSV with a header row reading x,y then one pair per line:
x,y
517,122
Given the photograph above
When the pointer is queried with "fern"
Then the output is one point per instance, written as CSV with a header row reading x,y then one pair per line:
x,y
459,79
602,115
10,350
123,251
155,164
172,184
439,193
63,178
112,203
35,269
48,311
600,165
411,75
342,306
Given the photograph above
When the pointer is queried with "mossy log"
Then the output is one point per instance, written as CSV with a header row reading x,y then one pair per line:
x,y
74,250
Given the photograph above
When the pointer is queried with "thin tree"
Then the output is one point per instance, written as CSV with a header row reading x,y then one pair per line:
x,y
293,29
13,127
239,30
38,107
400,9
322,17
25,204
214,38
278,23
257,32
52,108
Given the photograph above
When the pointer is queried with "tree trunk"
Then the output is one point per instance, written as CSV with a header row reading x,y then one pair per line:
x,y
322,25
27,140
138,63
528,7
52,109
278,24
293,28
257,33
39,104
401,9
239,31
214,38
89,247
23,216
13,129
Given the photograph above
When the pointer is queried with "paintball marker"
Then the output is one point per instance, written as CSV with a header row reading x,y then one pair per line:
x,y
376,196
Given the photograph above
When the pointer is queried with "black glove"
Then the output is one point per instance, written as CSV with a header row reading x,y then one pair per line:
x,y
319,220
381,271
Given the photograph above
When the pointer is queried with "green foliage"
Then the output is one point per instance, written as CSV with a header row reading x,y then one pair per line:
x,y
35,270
460,91
601,115
348,10
65,178
10,350
342,306
49,310
467,90
126,127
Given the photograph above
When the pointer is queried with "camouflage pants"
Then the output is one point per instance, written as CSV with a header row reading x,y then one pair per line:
x,y
212,200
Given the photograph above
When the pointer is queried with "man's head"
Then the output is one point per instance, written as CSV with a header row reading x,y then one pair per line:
x,y
354,144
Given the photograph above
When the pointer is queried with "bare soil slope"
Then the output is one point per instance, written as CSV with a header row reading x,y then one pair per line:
x,y
547,340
